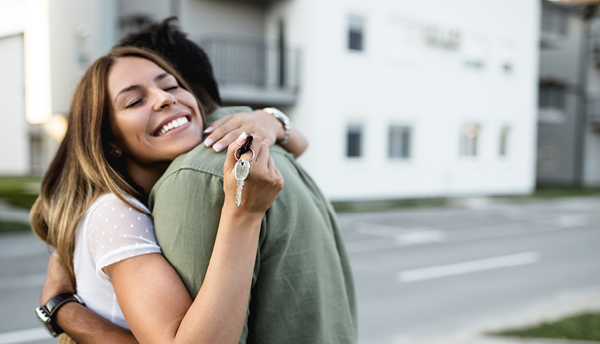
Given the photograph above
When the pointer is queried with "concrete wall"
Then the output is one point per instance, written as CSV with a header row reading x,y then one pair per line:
x,y
400,79
80,32
14,141
557,140
209,17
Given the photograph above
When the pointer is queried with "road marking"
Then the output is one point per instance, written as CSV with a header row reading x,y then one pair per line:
x,y
24,336
402,236
467,267
32,280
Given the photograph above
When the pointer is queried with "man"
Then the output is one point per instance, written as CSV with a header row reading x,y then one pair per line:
x,y
302,287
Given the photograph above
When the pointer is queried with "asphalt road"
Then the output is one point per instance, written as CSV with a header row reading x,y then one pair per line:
x,y
422,275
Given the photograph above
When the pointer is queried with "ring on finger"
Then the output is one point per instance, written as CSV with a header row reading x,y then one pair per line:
x,y
236,154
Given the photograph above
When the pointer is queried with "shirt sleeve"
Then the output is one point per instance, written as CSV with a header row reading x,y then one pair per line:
x,y
117,231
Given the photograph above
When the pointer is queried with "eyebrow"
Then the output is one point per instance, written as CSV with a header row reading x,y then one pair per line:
x,y
135,87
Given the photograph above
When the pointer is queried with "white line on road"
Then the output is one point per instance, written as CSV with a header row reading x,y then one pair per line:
x,y
24,336
467,267
32,280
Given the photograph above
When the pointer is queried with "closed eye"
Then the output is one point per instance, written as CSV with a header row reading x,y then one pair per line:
x,y
134,103
172,88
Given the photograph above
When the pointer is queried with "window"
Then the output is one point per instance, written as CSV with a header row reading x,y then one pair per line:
x,y
356,33
554,19
504,135
474,50
469,136
399,142
552,96
354,141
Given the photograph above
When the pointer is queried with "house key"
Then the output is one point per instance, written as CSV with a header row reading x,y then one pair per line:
x,y
242,169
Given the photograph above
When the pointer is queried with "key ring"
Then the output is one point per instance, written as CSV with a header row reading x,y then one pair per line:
x,y
238,159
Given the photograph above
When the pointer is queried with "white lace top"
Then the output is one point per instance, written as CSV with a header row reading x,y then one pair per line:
x,y
110,231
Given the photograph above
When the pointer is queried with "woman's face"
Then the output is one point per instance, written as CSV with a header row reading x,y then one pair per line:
x,y
153,119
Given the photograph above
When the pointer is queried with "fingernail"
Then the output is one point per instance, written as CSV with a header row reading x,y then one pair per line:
x,y
208,142
217,147
209,130
242,138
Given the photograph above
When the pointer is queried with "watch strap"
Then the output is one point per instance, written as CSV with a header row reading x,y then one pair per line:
x,y
285,121
56,301
46,313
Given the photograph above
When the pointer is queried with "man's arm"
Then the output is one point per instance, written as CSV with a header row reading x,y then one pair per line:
x,y
80,323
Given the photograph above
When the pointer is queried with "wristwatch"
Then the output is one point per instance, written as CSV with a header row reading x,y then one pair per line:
x,y
287,126
47,312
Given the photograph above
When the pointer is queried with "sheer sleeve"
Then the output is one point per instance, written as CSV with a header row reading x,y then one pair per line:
x,y
117,231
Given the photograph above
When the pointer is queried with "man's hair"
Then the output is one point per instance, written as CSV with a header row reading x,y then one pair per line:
x,y
187,57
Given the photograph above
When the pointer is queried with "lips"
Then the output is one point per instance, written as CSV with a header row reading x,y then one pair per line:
x,y
171,123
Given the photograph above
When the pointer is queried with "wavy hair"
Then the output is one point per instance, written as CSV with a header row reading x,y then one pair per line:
x,y
83,169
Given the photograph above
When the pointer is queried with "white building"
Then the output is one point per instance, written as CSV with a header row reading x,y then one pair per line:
x,y
399,99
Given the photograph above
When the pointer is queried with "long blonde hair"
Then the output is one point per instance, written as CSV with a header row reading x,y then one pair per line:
x,y
83,169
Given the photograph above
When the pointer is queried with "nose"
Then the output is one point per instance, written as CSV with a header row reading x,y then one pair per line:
x,y
164,99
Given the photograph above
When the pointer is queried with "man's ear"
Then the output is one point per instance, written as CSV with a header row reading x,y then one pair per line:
x,y
114,150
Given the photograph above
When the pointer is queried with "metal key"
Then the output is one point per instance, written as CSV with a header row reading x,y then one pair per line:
x,y
242,169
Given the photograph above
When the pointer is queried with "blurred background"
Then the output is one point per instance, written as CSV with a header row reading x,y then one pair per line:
x,y
482,104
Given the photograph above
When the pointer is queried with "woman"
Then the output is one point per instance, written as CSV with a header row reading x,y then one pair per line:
x,y
91,206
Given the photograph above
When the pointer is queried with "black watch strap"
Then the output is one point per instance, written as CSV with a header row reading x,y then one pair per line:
x,y
46,313
60,299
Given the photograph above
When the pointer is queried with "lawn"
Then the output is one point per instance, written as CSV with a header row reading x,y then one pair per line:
x,y
12,226
584,326
20,191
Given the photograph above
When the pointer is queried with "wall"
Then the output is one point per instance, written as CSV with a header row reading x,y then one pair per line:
x,y
398,79
14,154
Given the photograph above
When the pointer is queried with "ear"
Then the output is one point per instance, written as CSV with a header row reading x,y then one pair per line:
x,y
114,151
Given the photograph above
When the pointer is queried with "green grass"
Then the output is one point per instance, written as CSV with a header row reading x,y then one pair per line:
x,y
12,226
20,191
552,191
585,326
540,193
373,206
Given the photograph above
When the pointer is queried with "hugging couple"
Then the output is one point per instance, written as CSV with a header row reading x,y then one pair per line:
x,y
149,243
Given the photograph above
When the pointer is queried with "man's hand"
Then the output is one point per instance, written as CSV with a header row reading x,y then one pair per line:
x,y
258,123
57,279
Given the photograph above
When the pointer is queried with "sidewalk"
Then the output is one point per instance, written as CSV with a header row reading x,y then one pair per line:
x,y
562,306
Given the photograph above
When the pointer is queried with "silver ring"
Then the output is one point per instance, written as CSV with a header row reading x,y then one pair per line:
x,y
238,159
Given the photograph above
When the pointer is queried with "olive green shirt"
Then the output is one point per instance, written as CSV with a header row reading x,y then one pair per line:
x,y
302,286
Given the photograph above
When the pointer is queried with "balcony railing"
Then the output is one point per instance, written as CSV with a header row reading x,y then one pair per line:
x,y
253,71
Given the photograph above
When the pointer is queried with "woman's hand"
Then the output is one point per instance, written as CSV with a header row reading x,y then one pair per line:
x,y
259,123
225,130
263,184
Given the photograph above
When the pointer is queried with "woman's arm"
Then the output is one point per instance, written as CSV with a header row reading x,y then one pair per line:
x,y
224,131
155,302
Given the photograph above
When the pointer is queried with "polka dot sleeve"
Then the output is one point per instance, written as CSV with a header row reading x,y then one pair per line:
x,y
117,231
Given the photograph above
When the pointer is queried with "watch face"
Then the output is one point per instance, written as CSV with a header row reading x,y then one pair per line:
x,y
46,320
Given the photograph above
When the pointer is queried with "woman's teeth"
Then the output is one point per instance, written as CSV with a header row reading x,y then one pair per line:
x,y
176,123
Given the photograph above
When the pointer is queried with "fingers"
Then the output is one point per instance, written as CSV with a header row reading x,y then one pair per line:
x,y
231,159
214,125
227,139
224,131
231,151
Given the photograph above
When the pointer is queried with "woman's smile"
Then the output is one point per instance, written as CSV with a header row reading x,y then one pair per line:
x,y
172,125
